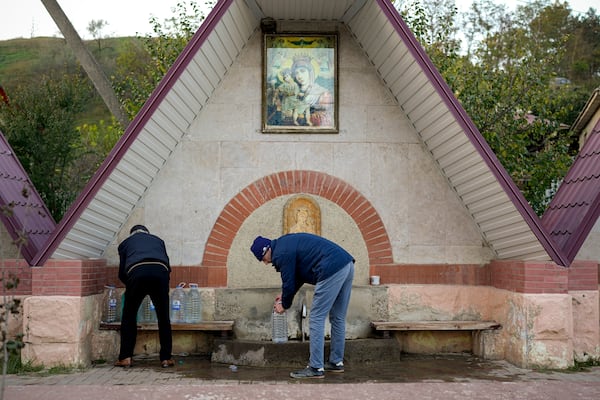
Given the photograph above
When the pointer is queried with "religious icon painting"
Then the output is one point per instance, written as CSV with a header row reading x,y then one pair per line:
x,y
300,86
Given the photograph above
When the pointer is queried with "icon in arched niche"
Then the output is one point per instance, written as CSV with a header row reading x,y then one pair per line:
x,y
302,214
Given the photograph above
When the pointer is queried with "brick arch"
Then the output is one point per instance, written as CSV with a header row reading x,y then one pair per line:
x,y
292,182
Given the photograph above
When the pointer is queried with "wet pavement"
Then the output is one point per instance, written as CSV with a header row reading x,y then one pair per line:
x,y
452,376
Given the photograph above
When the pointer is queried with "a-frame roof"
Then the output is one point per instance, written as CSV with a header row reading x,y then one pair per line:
x,y
575,208
25,215
504,217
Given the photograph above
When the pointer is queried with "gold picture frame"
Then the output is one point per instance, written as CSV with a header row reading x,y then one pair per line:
x,y
300,84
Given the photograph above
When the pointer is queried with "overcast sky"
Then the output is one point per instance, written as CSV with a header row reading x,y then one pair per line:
x,y
29,18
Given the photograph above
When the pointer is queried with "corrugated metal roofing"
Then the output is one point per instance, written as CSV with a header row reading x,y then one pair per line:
x,y
576,206
506,220
27,217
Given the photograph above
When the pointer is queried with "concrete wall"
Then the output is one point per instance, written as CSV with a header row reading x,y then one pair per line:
x,y
590,250
377,152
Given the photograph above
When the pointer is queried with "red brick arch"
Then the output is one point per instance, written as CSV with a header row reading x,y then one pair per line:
x,y
292,182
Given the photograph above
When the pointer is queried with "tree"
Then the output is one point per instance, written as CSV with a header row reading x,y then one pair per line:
x,y
40,123
95,28
581,63
159,52
504,78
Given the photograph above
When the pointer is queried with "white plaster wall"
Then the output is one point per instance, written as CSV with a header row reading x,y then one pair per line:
x,y
590,250
243,270
376,151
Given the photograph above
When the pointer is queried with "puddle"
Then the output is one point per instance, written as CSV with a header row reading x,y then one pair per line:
x,y
411,368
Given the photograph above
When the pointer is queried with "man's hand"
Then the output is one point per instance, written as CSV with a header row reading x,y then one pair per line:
x,y
278,307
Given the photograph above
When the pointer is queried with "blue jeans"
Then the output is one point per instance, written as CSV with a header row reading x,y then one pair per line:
x,y
332,297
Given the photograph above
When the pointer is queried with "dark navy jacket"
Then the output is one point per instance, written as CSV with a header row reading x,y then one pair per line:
x,y
141,247
305,258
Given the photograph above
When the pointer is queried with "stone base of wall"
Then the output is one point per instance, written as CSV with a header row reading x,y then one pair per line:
x,y
58,329
106,344
548,330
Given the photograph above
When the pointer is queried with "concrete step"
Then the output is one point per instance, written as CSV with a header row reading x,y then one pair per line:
x,y
296,353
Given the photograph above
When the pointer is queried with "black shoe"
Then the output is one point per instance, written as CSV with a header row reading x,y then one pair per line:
x,y
331,367
308,372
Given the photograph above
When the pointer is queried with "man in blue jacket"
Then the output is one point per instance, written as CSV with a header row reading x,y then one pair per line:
x,y
145,270
306,258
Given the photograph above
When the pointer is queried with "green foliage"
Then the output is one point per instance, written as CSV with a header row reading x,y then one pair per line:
x,y
585,366
39,123
16,366
95,28
135,81
504,76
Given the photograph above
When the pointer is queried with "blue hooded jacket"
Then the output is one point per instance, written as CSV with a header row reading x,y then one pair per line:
x,y
305,258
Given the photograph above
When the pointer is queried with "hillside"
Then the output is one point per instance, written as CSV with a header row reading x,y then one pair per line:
x,y
24,60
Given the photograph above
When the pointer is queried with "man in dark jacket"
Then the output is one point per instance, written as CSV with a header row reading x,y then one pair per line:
x,y
306,258
145,270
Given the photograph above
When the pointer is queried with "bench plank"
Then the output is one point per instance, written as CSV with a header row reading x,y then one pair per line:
x,y
201,326
434,325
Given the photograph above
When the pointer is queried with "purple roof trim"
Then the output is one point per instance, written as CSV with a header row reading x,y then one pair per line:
x,y
472,132
575,208
132,131
30,216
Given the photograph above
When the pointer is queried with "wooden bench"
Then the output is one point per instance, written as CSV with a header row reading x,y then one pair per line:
x,y
224,327
475,327
387,326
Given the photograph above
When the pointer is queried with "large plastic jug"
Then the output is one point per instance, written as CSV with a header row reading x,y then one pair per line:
x,y
111,304
194,307
279,323
147,312
178,304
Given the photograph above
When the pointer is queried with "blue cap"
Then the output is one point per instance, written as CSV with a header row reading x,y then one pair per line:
x,y
260,247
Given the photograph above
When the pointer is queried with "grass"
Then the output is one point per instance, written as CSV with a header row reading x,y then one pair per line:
x,y
583,366
17,367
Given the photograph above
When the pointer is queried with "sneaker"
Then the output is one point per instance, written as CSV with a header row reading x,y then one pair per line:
x,y
308,372
331,367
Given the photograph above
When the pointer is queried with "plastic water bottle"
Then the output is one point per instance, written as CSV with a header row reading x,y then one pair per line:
x,y
111,302
194,307
178,304
147,313
279,323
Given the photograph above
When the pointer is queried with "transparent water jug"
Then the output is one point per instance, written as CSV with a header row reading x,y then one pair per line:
x,y
178,304
147,312
194,307
111,304
279,323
